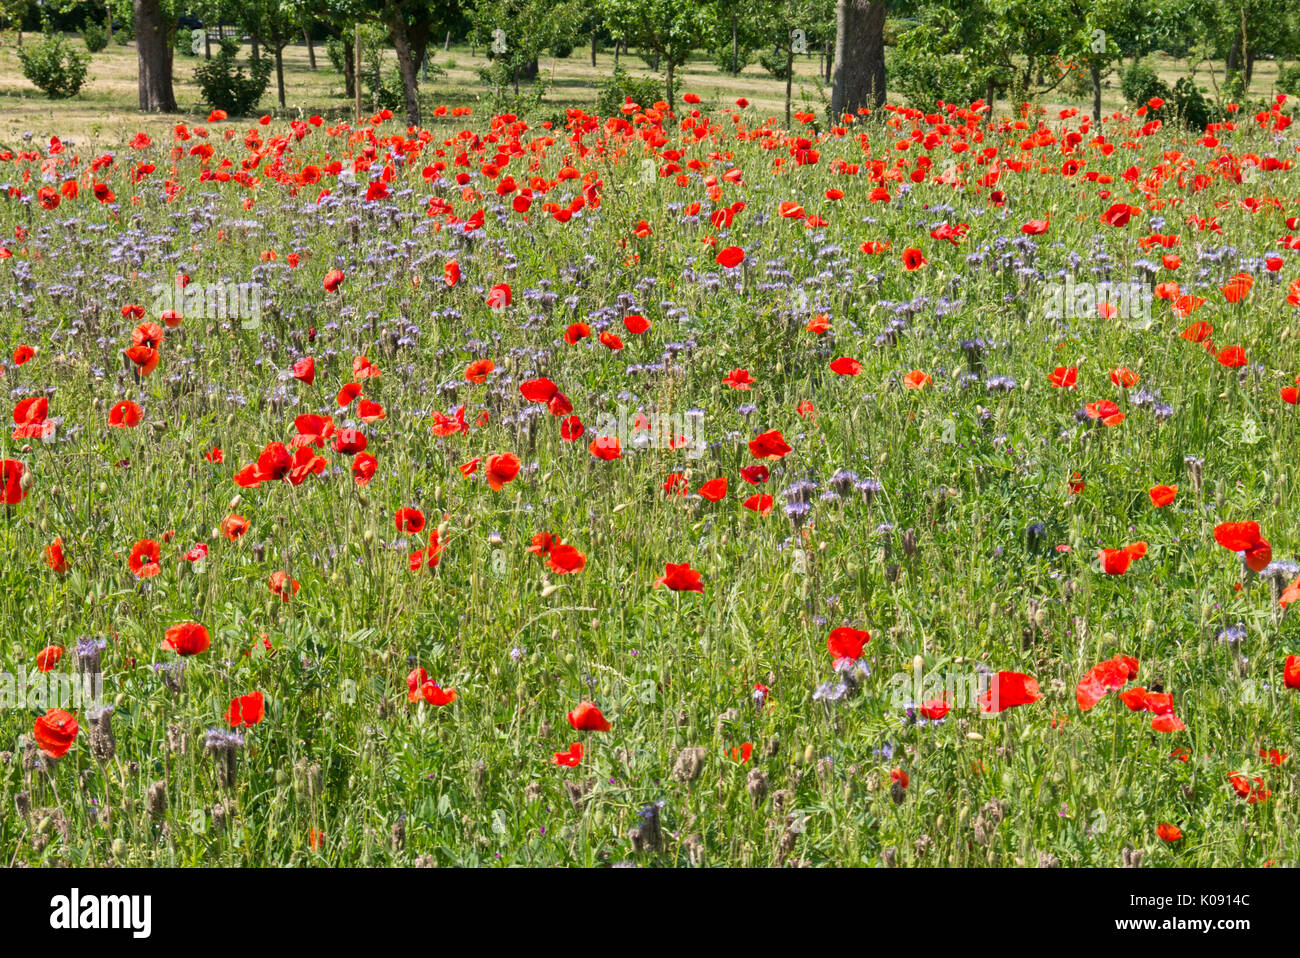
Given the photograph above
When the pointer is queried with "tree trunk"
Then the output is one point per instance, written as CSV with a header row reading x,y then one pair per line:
x,y
593,48
1095,71
279,73
311,49
207,44
1250,67
447,45
257,48
735,47
349,71
153,58
410,88
859,56
617,44
529,70
789,80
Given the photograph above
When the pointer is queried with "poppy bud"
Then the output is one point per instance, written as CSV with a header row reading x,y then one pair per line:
x,y
918,663
119,848
808,755
368,536
27,481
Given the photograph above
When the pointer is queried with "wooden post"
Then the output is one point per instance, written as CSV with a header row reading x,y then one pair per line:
x,y
356,62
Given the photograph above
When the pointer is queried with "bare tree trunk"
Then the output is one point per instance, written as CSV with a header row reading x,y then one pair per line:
x,y
593,48
447,45
735,47
349,70
153,58
789,79
279,72
859,56
1095,72
405,66
207,43
311,49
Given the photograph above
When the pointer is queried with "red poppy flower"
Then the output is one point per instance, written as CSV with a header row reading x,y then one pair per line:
x,y
246,710
333,279
769,445
281,585
1009,689
1169,833
144,557
55,731
451,273
636,324
538,390
607,448
54,557
730,257
916,380
565,559
760,503
739,379
571,429
305,370
478,370
587,718
188,638
714,490
125,415
1104,677
1234,357
913,258
499,296
1162,496
1291,672
409,521
935,709
48,658
436,695
570,759
501,469
363,468
740,754
846,366
846,642
681,578
1124,377
1064,377
575,332
1237,536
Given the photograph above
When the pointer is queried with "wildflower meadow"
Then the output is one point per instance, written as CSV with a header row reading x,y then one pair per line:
x,y
671,487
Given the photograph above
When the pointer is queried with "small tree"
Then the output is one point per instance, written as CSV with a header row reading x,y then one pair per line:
x,y
668,29
56,68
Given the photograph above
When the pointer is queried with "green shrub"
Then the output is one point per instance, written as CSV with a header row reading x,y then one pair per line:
x,y
1191,107
1139,84
56,68
226,86
614,91
1288,80
94,36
